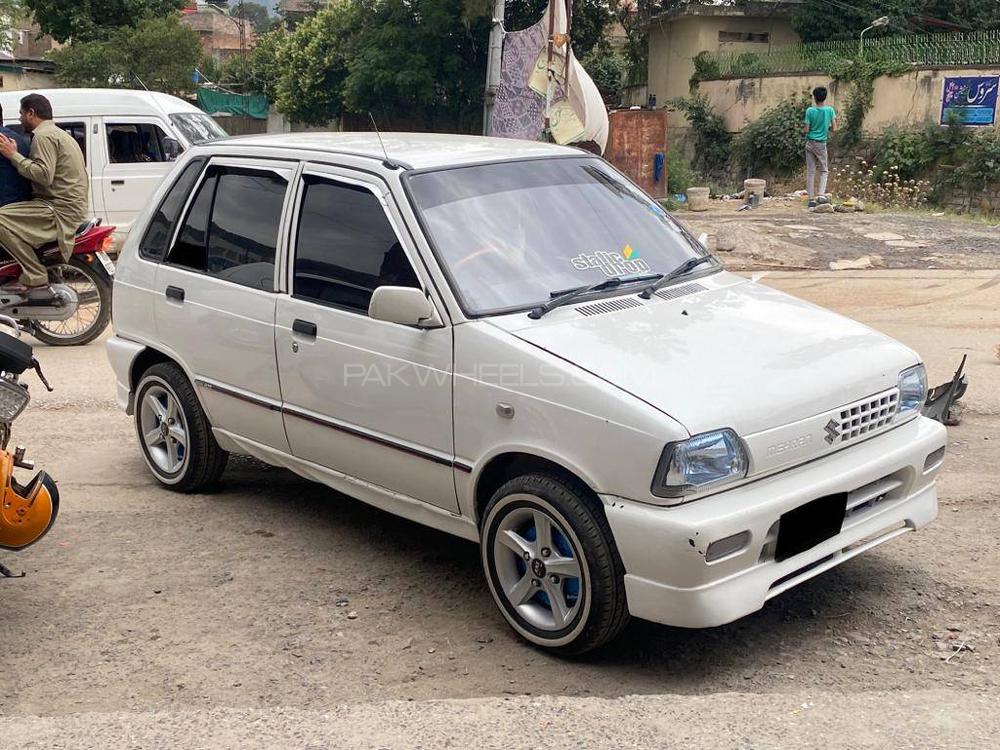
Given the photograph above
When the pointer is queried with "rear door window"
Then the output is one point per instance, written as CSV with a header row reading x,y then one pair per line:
x,y
231,230
161,228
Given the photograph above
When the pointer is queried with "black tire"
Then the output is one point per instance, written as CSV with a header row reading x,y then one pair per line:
x,y
45,331
204,460
603,612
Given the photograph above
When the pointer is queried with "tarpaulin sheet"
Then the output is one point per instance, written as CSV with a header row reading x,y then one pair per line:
x,y
214,101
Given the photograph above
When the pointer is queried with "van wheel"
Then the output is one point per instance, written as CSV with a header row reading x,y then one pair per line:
x,y
174,432
551,564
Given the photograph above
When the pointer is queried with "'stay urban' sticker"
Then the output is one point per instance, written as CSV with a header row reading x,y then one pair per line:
x,y
628,261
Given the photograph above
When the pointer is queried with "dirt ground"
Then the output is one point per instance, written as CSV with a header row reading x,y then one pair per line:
x,y
782,234
277,613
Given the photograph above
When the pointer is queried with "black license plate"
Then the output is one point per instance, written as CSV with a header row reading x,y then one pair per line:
x,y
804,527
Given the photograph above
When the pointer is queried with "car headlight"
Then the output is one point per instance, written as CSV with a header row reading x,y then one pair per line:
x,y
700,462
912,389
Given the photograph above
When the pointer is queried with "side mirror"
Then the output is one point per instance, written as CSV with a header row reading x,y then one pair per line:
x,y
405,305
171,148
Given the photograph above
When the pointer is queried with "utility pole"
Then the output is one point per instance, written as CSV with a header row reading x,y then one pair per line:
x,y
243,58
493,63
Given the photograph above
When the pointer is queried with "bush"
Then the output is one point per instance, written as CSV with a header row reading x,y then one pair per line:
x,y
680,174
883,188
976,164
607,69
773,144
713,143
706,68
748,65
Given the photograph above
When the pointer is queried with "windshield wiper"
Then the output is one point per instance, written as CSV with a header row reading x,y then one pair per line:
x,y
684,268
563,296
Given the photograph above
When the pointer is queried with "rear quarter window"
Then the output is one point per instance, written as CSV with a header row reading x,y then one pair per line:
x,y
161,229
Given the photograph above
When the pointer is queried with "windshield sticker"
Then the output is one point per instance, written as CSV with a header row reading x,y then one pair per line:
x,y
628,261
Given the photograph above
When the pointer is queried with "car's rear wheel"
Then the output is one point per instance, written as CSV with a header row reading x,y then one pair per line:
x,y
551,564
174,432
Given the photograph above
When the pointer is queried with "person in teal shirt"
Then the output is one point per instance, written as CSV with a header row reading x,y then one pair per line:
x,y
820,121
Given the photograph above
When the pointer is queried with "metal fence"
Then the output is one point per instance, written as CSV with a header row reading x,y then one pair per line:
x,y
944,50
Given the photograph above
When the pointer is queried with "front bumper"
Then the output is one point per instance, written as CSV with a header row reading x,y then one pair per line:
x,y
663,548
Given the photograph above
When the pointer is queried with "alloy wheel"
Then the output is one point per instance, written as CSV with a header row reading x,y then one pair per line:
x,y
537,568
164,430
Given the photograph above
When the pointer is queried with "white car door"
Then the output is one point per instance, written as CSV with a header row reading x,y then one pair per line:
x,y
136,163
369,399
215,297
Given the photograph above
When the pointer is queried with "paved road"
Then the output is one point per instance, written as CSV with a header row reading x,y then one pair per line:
x,y
154,620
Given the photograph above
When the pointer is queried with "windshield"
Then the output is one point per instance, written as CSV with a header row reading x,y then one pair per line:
x,y
511,234
197,127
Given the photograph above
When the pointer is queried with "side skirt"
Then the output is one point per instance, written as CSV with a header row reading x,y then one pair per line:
x,y
373,494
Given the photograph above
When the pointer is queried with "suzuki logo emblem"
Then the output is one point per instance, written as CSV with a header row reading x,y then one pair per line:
x,y
832,431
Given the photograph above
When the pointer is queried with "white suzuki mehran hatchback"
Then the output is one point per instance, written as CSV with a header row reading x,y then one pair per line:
x,y
510,342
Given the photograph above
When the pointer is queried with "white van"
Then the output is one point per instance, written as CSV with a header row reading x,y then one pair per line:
x,y
129,138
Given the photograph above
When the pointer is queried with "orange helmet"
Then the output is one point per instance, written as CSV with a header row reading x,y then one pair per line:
x,y
28,512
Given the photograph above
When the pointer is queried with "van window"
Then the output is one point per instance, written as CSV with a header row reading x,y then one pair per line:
x,y
231,230
161,228
79,132
135,143
76,129
345,247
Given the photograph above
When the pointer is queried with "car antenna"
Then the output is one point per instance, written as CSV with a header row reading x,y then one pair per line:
x,y
388,163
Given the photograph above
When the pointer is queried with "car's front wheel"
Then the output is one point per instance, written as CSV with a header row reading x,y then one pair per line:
x,y
174,432
551,564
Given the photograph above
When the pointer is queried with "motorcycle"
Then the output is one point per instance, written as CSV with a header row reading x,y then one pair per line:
x,y
27,511
80,309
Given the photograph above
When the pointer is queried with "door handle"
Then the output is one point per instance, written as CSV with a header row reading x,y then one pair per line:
x,y
118,182
305,328
175,293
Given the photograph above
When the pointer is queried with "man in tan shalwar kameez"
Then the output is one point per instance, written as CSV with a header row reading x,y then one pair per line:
x,y
58,174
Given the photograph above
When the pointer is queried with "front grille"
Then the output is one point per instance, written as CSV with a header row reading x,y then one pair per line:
x,y
863,417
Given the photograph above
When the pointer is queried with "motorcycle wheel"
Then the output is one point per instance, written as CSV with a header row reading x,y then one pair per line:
x,y
91,317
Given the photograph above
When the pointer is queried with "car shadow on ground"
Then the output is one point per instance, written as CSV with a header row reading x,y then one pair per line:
x,y
796,627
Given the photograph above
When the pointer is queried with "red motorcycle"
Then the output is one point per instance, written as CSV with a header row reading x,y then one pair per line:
x,y
80,308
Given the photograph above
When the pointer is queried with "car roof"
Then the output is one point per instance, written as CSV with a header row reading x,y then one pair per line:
x,y
412,150
88,102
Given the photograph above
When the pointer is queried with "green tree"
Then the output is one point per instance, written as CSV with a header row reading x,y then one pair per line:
x,y
91,20
421,61
312,65
159,51
607,69
412,63
263,68
590,20
255,13
821,20
9,10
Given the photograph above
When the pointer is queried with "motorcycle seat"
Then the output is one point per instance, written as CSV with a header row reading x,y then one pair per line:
x,y
49,252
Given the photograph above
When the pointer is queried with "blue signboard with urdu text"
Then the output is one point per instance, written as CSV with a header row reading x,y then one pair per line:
x,y
970,100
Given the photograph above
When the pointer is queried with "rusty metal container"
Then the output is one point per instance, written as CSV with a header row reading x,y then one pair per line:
x,y
635,138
